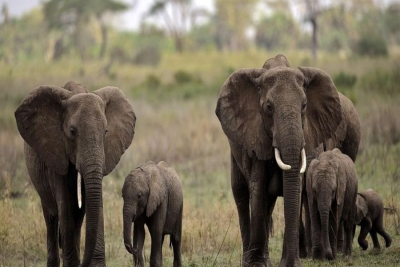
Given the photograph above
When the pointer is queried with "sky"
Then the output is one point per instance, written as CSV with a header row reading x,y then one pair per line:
x,y
128,20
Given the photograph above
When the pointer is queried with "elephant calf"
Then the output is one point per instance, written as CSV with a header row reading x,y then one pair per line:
x,y
332,190
370,217
152,195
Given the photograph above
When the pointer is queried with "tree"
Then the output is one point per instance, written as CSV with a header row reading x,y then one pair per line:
x,y
233,17
176,16
71,17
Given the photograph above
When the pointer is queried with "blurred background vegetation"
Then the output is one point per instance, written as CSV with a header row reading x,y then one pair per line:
x,y
171,63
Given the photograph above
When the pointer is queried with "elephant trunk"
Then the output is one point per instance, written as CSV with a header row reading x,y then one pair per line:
x,y
128,216
324,213
92,175
291,193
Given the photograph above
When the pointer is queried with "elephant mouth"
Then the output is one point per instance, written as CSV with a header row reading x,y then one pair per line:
x,y
286,167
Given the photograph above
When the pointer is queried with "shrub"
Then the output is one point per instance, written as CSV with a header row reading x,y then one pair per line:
x,y
182,77
386,82
148,55
374,45
343,79
152,81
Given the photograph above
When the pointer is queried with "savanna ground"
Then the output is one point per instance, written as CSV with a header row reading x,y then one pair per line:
x,y
174,104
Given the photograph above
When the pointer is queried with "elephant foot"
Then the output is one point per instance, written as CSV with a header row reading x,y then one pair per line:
x,y
303,252
363,244
284,263
388,241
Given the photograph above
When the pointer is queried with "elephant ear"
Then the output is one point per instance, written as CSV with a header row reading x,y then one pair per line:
x,y
362,209
239,115
158,189
39,121
323,106
120,125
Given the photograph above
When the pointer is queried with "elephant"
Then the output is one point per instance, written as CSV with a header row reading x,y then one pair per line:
x,y
273,118
332,191
73,139
152,195
369,216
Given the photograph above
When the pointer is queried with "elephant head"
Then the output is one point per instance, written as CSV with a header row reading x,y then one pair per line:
x,y
143,191
89,131
280,110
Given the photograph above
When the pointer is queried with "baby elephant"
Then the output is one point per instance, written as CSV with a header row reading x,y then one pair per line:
x,y
370,217
152,195
332,190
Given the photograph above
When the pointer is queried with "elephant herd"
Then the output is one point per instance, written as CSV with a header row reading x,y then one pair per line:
x,y
291,134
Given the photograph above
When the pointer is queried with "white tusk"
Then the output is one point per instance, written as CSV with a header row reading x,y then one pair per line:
x,y
281,165
79,190
303,161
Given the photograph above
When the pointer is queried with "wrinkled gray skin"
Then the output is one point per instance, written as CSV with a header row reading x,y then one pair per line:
x,y
332,191
262,109
370,217
153,196
66,131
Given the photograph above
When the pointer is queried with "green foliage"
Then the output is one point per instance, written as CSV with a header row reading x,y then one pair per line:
x,y
152,82
371,45
182,77
343,79
382,81
277,31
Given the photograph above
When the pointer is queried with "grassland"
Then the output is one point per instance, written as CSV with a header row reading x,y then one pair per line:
x,y
174,104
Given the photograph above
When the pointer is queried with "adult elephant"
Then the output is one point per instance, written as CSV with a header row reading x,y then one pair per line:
x,y
274,116
71,134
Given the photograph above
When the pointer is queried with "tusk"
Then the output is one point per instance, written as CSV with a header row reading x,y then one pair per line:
x,y
79,185
281,165
303,161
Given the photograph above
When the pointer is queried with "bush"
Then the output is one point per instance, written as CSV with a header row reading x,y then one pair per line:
x,y
371,46
148,55
152,81
345,84
386,82
345,80
182,77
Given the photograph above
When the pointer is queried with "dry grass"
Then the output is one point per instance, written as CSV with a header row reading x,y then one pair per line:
x,y
187,135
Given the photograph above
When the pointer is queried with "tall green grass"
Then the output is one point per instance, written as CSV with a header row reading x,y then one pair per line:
x,y
176,123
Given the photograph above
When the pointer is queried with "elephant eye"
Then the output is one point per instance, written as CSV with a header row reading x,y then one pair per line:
x,y
268,107
105,132
72,132
139,195
303,107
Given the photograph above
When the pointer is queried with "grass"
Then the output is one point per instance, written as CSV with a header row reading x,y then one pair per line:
x,y
176,123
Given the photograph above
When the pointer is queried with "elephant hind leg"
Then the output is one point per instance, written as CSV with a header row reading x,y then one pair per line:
x,y
176,246
53,258
382,232
375,240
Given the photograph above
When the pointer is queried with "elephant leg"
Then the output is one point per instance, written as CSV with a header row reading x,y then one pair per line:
x,y
138,242
348,232
381,230
53,258
366,226
340,238
375,241
269,226
258,202
176,245
333,230
241,195
156,249
307,226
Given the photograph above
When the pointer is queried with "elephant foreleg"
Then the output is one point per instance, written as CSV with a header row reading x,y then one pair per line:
x,y
366,226
156,248
375,241
138,242
241,195
381,231
53,258
269,226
